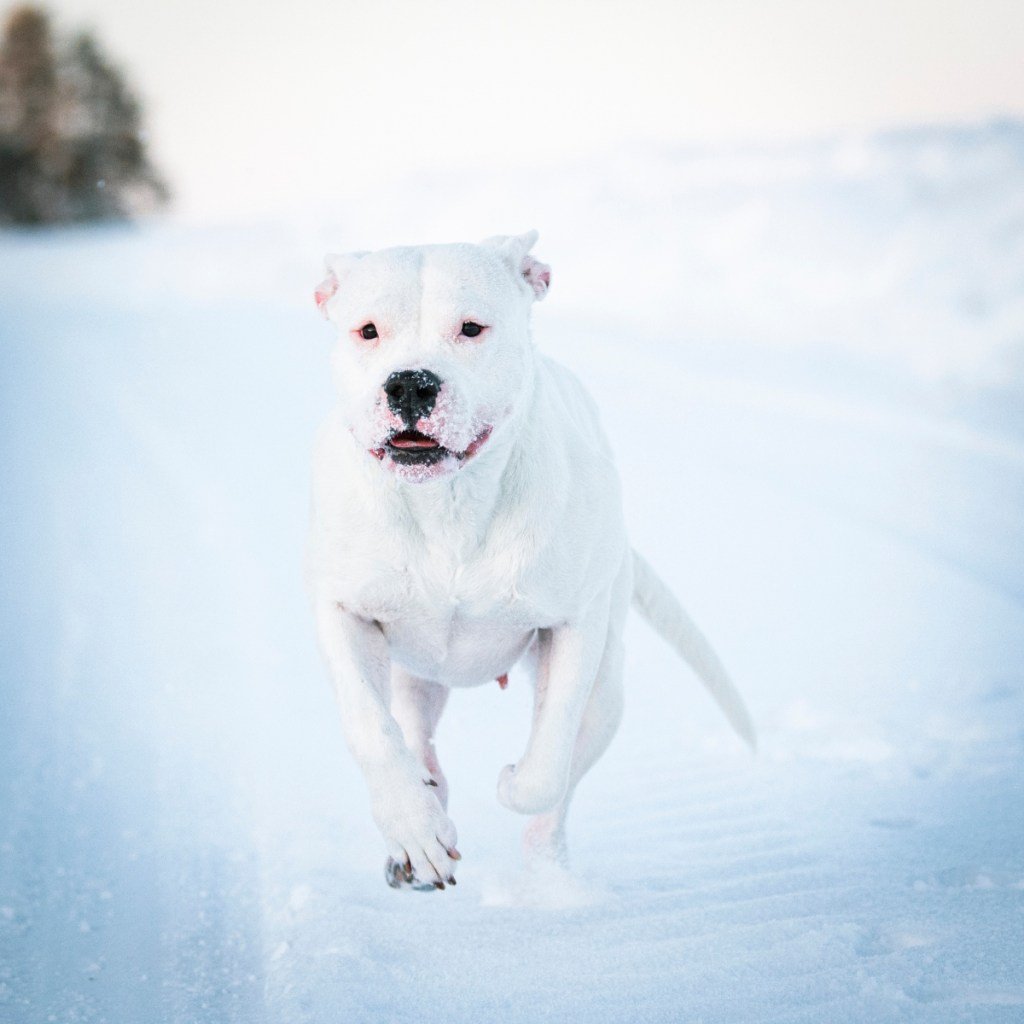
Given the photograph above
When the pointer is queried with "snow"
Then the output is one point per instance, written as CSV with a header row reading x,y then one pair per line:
x,y
809,362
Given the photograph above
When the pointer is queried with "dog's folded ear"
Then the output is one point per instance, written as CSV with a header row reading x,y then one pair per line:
x,y
516,251
338,265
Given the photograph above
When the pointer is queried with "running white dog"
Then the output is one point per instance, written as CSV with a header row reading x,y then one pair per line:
x,y
467,516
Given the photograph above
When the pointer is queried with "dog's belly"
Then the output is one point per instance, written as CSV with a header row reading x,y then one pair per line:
x,y
457,651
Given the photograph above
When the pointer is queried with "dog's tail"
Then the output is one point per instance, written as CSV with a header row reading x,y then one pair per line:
x,y
658,605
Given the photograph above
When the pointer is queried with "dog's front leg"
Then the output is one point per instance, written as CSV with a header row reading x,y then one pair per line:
x,y
569,656
417,831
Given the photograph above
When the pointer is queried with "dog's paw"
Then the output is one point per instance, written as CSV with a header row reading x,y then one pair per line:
x,y
528,792
402,876
420,838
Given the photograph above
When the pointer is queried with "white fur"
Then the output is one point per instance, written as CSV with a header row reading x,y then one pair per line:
x,y
425,580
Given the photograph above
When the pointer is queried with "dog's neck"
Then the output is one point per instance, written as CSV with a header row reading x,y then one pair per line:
x,y
456,512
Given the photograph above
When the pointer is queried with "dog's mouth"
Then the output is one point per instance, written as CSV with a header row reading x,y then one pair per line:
x,y
413,448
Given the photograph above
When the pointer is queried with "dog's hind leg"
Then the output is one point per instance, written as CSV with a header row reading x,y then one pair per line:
x,y
544,837
416,705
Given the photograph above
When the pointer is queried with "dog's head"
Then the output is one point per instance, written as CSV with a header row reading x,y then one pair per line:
x,y
434,352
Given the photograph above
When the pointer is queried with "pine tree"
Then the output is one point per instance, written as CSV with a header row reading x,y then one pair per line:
x,y
71,140
106,171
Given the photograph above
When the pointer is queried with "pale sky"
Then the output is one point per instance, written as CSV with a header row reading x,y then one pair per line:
x,y
249,103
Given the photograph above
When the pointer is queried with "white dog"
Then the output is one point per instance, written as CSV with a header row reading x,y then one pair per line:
x,y
467,516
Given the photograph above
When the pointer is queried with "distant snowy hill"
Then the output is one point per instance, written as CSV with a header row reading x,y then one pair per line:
x,y
809,359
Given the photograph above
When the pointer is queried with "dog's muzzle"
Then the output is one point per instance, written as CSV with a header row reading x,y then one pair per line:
x,y
412,397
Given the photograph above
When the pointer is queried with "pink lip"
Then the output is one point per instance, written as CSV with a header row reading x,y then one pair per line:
x,y
477,444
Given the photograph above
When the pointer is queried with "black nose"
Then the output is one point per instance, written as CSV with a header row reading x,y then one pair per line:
x,y
412,393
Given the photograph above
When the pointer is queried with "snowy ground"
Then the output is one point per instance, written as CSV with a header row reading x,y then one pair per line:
x,y
810,364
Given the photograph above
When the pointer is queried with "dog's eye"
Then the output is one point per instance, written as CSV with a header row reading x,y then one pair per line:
x,y
470,329
368,332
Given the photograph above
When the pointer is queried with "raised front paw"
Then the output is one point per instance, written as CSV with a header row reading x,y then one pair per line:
x,y
529,792
420,838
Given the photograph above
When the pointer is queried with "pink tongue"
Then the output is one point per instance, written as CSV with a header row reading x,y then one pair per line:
x,y
413,441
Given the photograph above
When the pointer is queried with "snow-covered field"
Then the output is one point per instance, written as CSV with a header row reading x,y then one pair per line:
x,y
810,363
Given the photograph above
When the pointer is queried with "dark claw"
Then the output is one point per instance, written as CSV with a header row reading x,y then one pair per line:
x,y
393,874
430,782
400,876
451,880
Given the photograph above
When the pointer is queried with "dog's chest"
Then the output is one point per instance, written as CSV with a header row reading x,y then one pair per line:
x,y
457,622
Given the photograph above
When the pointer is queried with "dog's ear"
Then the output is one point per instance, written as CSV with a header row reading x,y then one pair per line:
x,y
338,265
516,251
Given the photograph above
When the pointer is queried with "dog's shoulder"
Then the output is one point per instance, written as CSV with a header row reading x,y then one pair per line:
x,y
570,397
337,474
567,431
569,516
347,514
